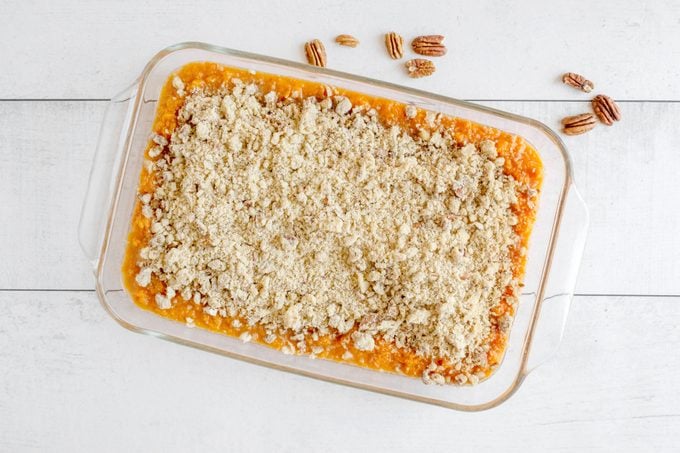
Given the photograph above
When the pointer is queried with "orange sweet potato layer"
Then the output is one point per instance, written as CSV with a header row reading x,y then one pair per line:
x,y
521,161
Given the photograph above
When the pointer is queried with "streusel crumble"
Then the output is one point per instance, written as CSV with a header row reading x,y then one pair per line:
x,y
332,224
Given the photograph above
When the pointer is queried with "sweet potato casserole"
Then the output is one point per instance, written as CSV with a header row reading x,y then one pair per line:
x,y
332,224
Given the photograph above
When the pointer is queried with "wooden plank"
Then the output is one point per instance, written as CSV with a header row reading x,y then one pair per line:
x,y
72,379
75,49
627,174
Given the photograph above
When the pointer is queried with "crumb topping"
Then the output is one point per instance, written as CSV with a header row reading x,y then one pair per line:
x,y
311,217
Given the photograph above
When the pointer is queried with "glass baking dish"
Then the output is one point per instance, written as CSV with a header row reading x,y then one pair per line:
x,y
554,254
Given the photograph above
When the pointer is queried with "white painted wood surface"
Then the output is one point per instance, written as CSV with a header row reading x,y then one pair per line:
x,y
627,174
72,380
499,50
79,382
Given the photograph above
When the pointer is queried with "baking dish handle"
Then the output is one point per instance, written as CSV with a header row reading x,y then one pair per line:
x,y
106,159
561,282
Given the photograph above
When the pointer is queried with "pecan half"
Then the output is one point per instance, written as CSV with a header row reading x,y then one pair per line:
x,y
316,53
395,45
579,124
347,40
606,109
430,45
419,67
578,81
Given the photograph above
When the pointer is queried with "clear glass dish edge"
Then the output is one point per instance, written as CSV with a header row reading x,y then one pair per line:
x,y
568,185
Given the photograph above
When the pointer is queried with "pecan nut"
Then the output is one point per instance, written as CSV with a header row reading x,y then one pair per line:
x,y
316,53
578,81
419,67
578,124
347,40
395,45
606,109
430,45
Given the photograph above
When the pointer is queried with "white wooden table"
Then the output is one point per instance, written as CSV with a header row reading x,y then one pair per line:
x,y
71,379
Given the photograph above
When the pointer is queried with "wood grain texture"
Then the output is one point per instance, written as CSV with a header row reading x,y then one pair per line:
x,y
497,50
627,174
73,380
